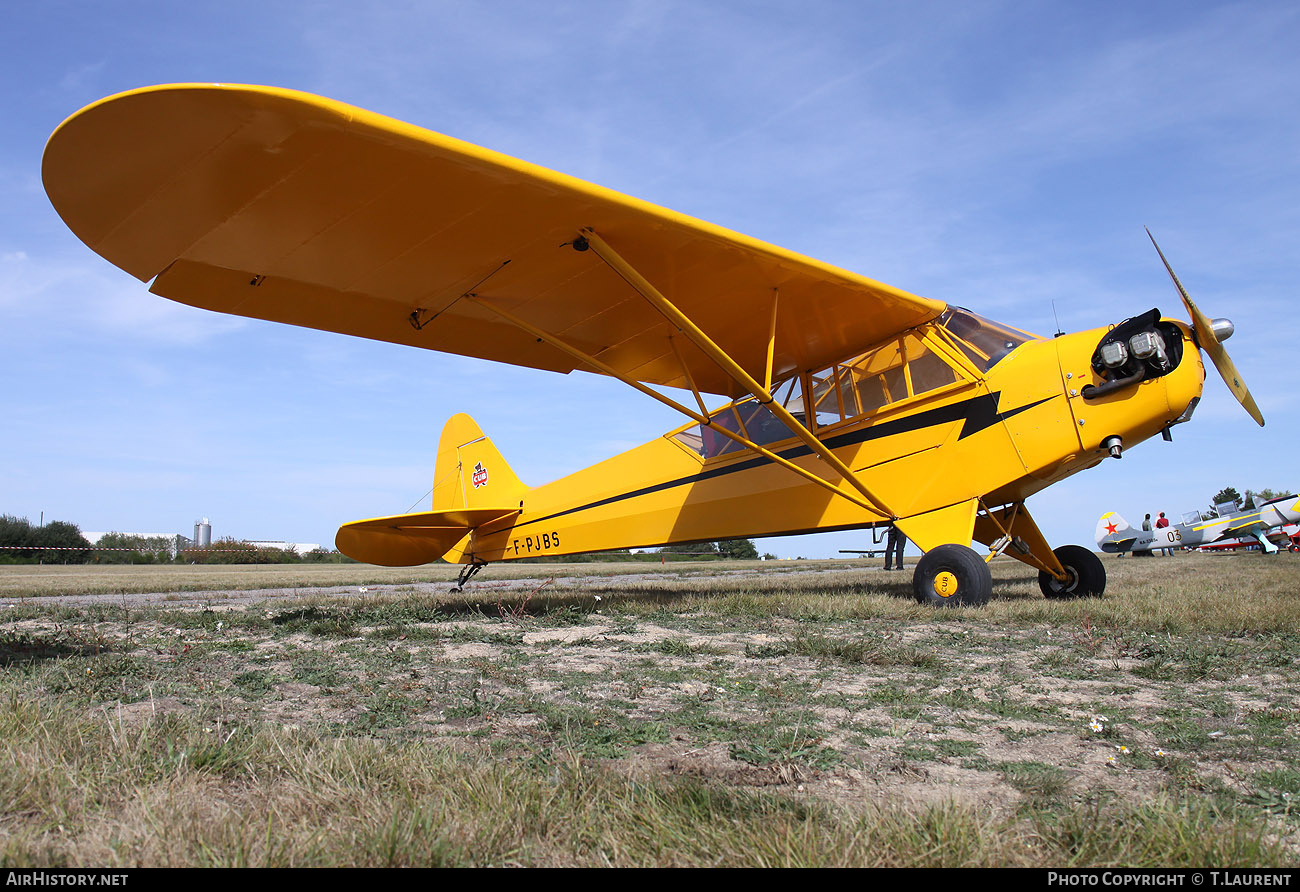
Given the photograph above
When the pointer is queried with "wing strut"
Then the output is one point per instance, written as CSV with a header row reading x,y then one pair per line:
x,y
601,367
771,341
686,372
728,365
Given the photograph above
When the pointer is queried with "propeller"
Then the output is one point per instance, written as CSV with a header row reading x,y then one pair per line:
x,y
1210,343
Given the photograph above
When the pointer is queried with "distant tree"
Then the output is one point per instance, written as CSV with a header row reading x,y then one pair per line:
x,y
223,551
57,542
325,556
15,533
1268,495
63,542
698,549
728,549
738,549
122,548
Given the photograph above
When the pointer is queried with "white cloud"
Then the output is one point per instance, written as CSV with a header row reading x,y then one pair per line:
x,y
64,295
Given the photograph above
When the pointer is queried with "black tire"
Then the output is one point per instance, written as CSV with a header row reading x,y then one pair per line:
x,y
1087,575
952,576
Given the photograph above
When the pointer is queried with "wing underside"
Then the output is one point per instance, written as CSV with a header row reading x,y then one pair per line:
x,y
285,206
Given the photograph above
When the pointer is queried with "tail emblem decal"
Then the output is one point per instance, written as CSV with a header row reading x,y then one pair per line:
x,y
480,476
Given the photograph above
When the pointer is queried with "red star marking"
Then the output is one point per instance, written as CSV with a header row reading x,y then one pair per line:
x,y
1111,527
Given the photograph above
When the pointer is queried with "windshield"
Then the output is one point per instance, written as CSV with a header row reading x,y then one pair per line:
x,y
983,341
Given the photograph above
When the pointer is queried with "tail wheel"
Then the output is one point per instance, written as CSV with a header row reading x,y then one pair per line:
x,y
1086,571
952,576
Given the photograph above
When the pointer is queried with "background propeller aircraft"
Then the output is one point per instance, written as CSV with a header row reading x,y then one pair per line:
x,y
1116,536
851,403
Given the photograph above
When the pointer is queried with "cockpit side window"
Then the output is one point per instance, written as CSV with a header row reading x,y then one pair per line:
x,y
716,443
746,417
926,371
900,368
879,377
832,398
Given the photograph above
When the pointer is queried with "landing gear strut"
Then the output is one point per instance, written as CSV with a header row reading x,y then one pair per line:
x,y
1010,530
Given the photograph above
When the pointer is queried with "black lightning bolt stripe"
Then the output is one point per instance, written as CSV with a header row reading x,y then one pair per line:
x,y
978,413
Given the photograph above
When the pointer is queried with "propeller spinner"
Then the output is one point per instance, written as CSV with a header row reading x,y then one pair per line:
x,y
1210,339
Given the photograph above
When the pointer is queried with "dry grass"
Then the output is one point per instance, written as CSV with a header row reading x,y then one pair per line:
x,y
741,715
38,580
82,791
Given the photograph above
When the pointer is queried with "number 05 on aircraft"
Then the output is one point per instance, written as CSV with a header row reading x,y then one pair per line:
x,y
851,403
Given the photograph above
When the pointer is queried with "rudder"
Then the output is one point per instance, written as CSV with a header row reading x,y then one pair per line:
x,y
1111,527
470,472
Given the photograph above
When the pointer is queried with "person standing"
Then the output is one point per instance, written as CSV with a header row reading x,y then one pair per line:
x,y
894,543
1146,528
1161,523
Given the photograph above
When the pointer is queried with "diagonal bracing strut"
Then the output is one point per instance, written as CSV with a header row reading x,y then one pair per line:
x,y
593,362
863,498
723,361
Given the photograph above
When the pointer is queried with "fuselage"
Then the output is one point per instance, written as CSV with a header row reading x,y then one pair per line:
x,y
954,410
1252,524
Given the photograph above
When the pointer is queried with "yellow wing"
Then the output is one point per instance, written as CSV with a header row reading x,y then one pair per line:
x,y
285,206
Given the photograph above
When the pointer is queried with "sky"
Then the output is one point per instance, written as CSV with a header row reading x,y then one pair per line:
x,y
1002,156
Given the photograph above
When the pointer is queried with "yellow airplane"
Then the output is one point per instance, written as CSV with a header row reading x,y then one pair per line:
x,y
852,403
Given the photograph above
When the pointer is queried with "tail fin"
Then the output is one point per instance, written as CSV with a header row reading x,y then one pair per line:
x,y
1112,528
470,473
473,486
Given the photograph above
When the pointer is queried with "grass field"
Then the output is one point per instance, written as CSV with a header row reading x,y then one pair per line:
x,y
734,714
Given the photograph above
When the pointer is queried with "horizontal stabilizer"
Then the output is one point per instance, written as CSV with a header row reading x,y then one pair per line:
x,y
407,540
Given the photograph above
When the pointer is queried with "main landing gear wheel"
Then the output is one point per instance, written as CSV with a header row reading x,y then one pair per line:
x,y
1087,575
952,576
